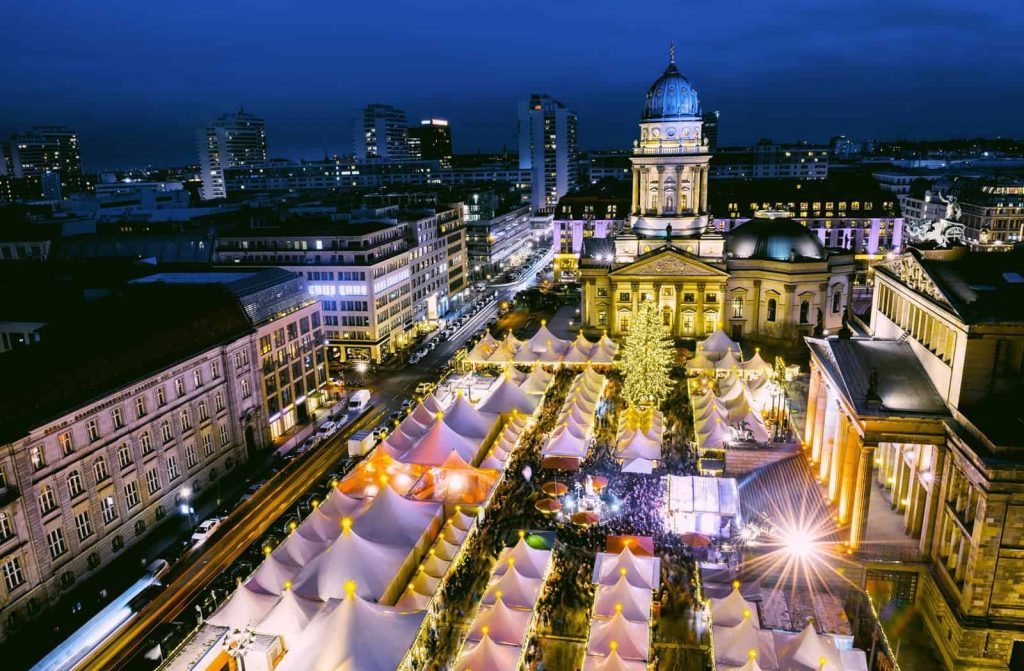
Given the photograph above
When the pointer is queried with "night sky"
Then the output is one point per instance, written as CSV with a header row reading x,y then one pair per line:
x,y
138,78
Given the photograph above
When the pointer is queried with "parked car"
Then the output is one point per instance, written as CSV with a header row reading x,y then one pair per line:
x,y
358,400
407,403
327,428
205,530
424,388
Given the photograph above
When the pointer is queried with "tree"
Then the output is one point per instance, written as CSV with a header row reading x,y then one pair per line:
x,y
647,358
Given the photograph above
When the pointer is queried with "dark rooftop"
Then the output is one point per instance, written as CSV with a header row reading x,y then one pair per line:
x,y
981,286
111,344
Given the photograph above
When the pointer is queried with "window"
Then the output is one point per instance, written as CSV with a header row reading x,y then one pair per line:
x,y
6,527
161,396
244,386
140,527
242,357
55,541
837,298
710,322
14,577
172,467
140,407
146,442
117,543
689,297
687,322
214,370
666,316
116,418
185,419
109,509
124,455
805,312
94,430
99,469
623,322
131,494
624,296
772,307
38,457
165,431
602,292
83,525
602,317
208,445
224,438
204,411
153,480
179,386
218,402
75,486
711,298
67,446
93,560
737,308
190,456
47,499
197,377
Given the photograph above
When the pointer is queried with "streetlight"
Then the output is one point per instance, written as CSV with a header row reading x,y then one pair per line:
x,y
362,367
186,508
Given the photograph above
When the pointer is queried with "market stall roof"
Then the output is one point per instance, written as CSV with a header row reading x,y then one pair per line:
x,y
411,600
537,382
640,571
633,602
395,520
756,364
299,550
544,340
455,481
338,505
441,440
638,445
506,397
467,421
486,655
717,344
271,575
503,624
516,590
529,561
733,609
733,644
373,566
564,444
637,465
632,640
246,607
602,355
524,355
729,362
612,662
805,650
290,615
700,363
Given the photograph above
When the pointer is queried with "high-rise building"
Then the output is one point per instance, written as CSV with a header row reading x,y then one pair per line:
x,y
36,156
547,147
711,129
432,140
382,134
235,139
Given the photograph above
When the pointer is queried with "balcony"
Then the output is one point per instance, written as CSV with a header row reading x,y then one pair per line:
x,y
669,150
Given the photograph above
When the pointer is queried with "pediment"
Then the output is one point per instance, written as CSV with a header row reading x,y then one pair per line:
x,y
668,263
914,276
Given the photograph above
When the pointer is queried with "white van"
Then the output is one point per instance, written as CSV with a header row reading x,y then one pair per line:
x,y
358,400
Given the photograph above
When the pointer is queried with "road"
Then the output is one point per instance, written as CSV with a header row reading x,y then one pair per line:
x,y
249,521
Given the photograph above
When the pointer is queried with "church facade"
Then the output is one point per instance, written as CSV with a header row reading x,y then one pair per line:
x,y
770,276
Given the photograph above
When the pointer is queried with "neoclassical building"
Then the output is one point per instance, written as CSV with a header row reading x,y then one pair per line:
x,y
770,276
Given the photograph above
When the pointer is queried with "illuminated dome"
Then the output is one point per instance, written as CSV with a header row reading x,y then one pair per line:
x,y
773,239
671,97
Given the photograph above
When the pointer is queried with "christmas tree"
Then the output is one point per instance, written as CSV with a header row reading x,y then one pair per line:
x,y
647,358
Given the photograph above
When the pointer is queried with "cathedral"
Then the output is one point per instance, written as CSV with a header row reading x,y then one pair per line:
x,y
770,276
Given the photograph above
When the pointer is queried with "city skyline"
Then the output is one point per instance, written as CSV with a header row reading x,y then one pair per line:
x,y
918,69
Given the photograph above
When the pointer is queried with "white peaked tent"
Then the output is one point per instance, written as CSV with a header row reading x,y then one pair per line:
x,y
728,383
411,600
733,609
445,550
399,442
633,602
517,591
756,365
290,615
351,557
717,344
640,571
319,527
632,640
467,421
395,520
564,444
733,644
435,566
271,575
729,362
806,650
612,662
602,355
714,438
339,505
424,583
503,353
422,415
483,348
700,364
486,655
549,355
529,561
245,607
544,340
636,445
494,461
575,355
507,397
524,355
637,466
711,410
537,382
354,635
504,625
432,405
299,550
434,446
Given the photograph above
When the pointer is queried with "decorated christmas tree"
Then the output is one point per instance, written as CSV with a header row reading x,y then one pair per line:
x,y
647,358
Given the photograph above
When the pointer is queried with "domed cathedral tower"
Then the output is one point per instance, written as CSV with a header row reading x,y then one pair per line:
x,y
670,160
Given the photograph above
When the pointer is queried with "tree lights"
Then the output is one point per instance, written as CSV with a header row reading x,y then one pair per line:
x,y
647,358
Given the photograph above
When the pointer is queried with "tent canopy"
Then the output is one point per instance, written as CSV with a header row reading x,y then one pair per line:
x,y
503,624
631,640
633,602
486,655
395,520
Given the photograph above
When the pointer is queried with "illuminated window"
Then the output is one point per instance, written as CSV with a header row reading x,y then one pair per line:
x,y
772,307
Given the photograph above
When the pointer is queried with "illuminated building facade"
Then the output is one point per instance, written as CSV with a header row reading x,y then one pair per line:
x,y
547,148
234,140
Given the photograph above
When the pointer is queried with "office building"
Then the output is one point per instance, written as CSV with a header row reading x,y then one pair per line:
x,y
771,160
711,129
43,162
547,148
914,431
235,139
432,141
600,211
381,134
498,239
992,211
598,166
161,398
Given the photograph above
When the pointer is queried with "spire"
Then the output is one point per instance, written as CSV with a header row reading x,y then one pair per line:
x,y
672,52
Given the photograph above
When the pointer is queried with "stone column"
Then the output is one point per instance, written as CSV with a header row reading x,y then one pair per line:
x,y
861,495
679,190
698,327
813,387
819,422
704,189
657,298
721,306
636,191
932,501
643,190
848,479
788,316
828,434
660,181
634,294
757,307
836,459
679,309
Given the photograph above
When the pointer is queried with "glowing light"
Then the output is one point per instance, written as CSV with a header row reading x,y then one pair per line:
x,y
799,542
362,367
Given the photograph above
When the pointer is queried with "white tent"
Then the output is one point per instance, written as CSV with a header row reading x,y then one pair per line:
x,y
564,444
422,415
633,602
717,344
728,362
508,397
339,505
467,420
524,355
715,438
806,650
503,624
700,364
544,340
756,364
401,441
354,635
290,615
537,382
411,600
486,655
733,609
516,590
394,520
245,607
271,575
638,445
637,466
602,355
755,424
319,527
483,348
529,561
576,355
640,571
632,640
371,565
733,644
612,662
712,410
432,405
433,447
299,550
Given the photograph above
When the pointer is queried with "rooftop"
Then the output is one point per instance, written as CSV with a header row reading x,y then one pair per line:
x,y
980,286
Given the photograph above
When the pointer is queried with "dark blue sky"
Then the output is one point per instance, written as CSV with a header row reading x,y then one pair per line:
x,y
138,78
